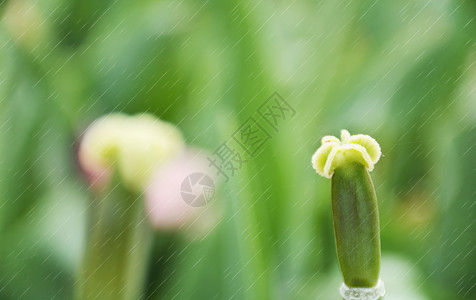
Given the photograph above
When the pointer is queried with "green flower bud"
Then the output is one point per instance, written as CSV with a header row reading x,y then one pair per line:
x,y
135,146
354,204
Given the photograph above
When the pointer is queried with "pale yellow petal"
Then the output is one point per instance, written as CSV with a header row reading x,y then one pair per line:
x,y
320,157
346,154
329,138
330,158
335,153
99,143
371,145
344,136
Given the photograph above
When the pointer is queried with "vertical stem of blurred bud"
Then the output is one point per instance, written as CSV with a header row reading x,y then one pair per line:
x,y
117,247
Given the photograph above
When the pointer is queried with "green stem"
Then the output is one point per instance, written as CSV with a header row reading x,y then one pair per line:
x,y
356,225
117,248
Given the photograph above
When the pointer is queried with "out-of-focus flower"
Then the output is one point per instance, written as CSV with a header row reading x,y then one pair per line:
x,y
134,146
178,193
25,24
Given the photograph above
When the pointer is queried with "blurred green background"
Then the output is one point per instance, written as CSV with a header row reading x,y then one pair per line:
x,y
403,72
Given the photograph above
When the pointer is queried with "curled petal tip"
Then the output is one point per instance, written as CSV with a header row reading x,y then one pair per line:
x,y
370,144
344,136
328,139
319,158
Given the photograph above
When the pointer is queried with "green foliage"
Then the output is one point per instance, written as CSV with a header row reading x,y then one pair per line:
x,y
402,72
